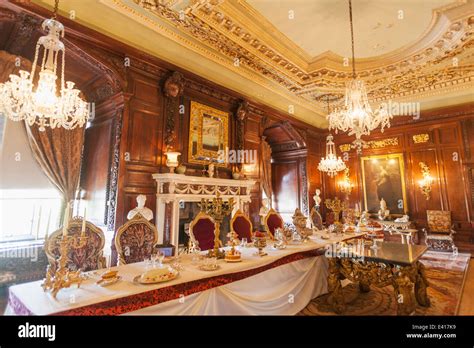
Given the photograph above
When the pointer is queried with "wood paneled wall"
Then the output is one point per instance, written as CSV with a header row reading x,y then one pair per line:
x,y
448,153
125,141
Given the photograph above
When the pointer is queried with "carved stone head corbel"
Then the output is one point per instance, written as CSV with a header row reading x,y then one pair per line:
x,y
242,111
174,85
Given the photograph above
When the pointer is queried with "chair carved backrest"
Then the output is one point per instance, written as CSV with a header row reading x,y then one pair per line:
x,y
316,219
241,225
273,221
135,240
88,258
439,221
330,218
201,231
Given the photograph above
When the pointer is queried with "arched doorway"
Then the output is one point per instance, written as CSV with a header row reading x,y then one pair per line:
x,y
289,173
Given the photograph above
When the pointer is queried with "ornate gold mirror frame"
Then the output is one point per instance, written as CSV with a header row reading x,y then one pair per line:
x,y
208,134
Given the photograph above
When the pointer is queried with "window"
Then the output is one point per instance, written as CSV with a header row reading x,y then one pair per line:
x,y
29,203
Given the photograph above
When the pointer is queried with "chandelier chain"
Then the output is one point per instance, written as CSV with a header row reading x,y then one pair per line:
x,y
352,40
55,11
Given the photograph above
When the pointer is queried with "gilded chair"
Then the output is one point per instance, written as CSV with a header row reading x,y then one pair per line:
x,y
241,225
330,218
316,219
439,234
201,231
273,221
135,240
88,258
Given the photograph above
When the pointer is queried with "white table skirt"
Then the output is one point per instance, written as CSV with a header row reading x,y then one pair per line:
x,y
284,290
258,285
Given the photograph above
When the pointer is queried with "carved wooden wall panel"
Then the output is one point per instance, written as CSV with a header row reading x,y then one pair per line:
x,y
445,144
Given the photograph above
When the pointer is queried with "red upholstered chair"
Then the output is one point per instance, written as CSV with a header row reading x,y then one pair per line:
x,y
241,225
273,221
201,231
88,258
135,240
330,218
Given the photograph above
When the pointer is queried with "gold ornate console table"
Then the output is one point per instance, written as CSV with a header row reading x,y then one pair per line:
x,y
391,264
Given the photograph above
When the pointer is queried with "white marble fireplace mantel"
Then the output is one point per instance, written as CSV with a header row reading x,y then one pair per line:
x,y
174,188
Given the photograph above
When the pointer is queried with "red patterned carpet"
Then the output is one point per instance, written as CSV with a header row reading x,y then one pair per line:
x,y
445,274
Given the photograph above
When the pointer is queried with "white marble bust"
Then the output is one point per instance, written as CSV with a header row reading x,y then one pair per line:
x,y
144,211
317,199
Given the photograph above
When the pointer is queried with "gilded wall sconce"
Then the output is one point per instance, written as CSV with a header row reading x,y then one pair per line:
x,y
345,185
427,181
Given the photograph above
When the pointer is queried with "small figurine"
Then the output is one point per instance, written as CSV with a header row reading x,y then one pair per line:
x,y
404,218
383,212
210,170
300,222
147,213
364,218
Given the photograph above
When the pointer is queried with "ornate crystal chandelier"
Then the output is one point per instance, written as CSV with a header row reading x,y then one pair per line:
x,y
357,117
21,100
331,164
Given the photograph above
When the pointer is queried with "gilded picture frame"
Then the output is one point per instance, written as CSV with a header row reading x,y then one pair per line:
x,y
208,134
383,176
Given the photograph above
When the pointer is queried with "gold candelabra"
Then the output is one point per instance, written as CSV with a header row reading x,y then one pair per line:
x,y
59,276
217,209
336,206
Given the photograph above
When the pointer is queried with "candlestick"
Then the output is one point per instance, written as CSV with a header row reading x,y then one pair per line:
x,y
66,220
83,229
47,224
32,220
39,223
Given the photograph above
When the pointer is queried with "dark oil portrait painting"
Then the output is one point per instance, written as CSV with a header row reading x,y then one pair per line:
x,y
383,177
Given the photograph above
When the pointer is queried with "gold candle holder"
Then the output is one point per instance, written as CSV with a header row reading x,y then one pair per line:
x,y
217,209
336,206
60,277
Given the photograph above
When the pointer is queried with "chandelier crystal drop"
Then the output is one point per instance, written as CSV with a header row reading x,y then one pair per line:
x,y
21,100
356,116
331,164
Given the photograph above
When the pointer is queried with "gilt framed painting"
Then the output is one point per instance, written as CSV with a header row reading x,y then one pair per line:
x,y
383,176
208,134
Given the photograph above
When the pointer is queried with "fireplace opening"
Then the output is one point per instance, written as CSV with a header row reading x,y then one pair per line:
x,y
187,212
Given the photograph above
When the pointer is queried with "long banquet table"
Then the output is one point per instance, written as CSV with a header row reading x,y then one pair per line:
x,y
281,283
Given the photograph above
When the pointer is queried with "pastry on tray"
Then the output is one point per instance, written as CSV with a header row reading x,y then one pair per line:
x,y
158,275
233,255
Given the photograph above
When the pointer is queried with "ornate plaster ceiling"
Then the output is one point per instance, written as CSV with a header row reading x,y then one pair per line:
x,y
320,26
247,46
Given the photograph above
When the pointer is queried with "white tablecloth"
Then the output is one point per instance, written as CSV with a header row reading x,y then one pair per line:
x,y
283,288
